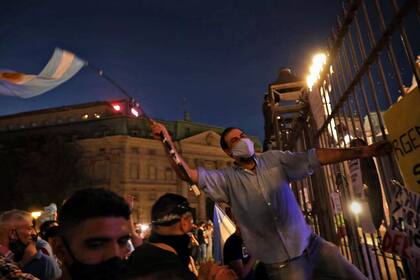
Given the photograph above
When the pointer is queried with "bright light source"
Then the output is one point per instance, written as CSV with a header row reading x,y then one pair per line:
x,y
97,116
134,112
347,138
356,207
116,107
144,227
318,62
310,81
319,59
85,117
36,214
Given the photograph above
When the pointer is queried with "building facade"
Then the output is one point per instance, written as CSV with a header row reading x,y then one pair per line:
x,y
119,152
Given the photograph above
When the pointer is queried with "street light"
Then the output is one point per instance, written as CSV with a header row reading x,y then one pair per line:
x,y
356,207
36,214
144,227
318,62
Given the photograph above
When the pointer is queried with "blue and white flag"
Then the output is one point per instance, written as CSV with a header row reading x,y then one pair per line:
x,y
223,228
62,66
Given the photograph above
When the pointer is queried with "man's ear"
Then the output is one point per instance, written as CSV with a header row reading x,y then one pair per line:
x,y
182,223
11,232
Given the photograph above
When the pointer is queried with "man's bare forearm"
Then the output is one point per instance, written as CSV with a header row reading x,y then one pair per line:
x,y
329,156
175,158
192,173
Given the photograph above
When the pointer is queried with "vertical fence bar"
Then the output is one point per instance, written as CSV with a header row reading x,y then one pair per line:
x,y
406,43
390,49
378,60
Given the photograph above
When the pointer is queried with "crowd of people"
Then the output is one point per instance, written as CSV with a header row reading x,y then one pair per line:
x,y
94,236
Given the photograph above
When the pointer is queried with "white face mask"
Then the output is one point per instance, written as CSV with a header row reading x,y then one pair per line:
x,y
244,149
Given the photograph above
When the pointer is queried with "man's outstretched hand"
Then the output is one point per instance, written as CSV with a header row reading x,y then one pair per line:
x,y
380,148
158,129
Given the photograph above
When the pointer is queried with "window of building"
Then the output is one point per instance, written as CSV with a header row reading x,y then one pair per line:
x,y
152,152
134,171
135,150
101,170
135,132
152,172
168,174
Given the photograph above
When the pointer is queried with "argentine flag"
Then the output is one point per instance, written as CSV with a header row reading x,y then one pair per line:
x,y
223,228
62,66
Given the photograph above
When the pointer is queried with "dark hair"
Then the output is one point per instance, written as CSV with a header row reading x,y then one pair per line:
x,y
48,229
150,262
91,203
169,204
223,143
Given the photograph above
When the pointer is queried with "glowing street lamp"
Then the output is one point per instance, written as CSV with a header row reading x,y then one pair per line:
x,y
318,62
134,112
36,214
144,227
116,107
356,207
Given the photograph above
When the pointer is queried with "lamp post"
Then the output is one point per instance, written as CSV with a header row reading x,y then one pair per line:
x,y
35,215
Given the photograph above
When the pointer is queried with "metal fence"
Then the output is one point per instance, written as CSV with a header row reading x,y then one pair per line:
x,y
371,61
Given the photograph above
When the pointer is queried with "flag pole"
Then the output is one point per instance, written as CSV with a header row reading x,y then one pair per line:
x,y
166,143
101,73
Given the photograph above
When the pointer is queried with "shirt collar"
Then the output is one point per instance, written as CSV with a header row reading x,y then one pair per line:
x,y
4,251
238,167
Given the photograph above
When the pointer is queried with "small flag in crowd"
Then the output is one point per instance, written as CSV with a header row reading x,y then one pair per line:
x,y
223,228
62,66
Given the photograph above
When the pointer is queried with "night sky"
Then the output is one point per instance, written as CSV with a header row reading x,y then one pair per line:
x,y
219,55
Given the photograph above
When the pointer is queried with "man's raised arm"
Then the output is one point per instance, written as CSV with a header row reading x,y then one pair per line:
x,y
160,130
328,156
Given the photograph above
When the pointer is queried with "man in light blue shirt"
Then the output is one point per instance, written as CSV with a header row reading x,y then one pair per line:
x,y
272,225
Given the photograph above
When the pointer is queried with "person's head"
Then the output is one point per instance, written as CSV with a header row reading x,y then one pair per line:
x,y
48,230
209,225
93,235
16,231
236,144
171,214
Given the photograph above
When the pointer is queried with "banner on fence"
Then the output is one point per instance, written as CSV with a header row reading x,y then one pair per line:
x,y
403,235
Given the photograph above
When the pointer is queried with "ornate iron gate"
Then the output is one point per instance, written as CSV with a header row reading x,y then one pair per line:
x,y
371,61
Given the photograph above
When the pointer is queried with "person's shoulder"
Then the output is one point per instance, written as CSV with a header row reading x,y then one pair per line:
x,y
147,250
233,239
267,155
150,258
10,270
